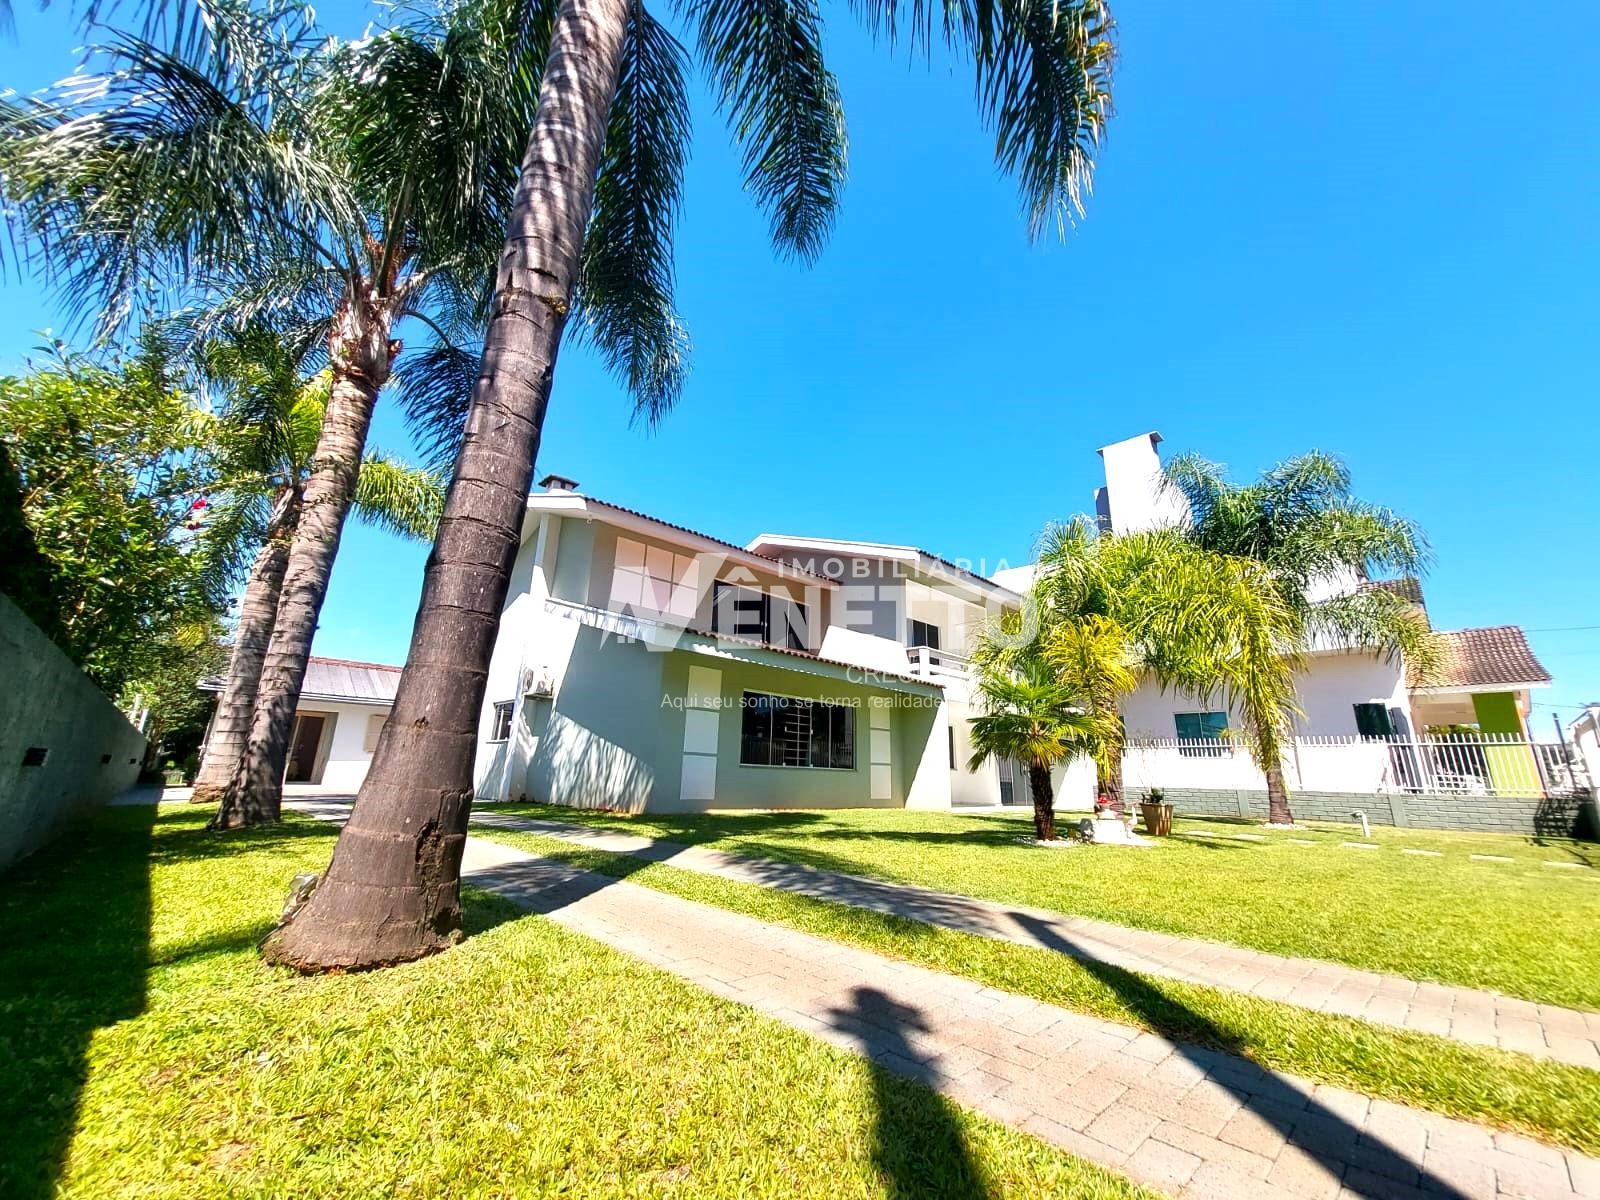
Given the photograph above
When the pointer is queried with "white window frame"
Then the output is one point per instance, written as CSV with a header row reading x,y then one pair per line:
x,y
655,580
505,713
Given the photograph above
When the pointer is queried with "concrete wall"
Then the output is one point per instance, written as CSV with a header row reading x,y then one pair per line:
x,y
91,752
1555,817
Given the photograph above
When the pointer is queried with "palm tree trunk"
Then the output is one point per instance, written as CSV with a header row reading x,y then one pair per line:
x,y
361,354
258,611
1044,803
1277,798
1108,770
392,891
1268,753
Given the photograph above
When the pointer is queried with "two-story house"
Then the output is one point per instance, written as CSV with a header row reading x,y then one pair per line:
x,y
641,665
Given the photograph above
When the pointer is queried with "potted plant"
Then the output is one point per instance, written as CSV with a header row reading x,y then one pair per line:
x,y
1157,813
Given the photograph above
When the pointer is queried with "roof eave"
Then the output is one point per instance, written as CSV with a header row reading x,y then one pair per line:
x,y
593,509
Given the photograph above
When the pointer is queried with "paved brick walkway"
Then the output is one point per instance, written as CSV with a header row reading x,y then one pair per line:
x,y
1186,1120
1468,1015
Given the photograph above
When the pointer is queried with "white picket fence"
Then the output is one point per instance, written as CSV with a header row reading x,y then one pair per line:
x,y
1477,764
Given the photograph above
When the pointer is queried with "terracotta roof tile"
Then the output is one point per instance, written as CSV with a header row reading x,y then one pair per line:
x,y
1499,654
1407,588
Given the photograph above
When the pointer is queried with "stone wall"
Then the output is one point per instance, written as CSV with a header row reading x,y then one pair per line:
x,y
1554,817
64,747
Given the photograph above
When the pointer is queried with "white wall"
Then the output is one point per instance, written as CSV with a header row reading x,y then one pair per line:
x,y
1329,689
1133,486
349,752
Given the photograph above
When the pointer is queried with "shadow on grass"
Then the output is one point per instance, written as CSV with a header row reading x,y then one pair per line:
x,y
917,1143
194,843
74,950
1374,1168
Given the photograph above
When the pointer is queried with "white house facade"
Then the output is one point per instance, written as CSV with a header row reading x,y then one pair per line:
x,y
641,666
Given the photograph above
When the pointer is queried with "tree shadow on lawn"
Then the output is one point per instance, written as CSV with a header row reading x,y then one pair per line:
x,y
917,1143
198,844
74,950
1376,1169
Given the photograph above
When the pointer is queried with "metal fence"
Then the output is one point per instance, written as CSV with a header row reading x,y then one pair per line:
x,y
1458,764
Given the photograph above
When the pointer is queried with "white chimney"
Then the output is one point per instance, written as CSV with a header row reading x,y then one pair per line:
x,y
558,484
1134,497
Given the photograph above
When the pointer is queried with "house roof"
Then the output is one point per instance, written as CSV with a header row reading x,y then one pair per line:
x,y
1494,658
1408,587
339,679
932,563
581,502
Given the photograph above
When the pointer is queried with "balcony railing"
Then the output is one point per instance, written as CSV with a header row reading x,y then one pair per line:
x,y
929,662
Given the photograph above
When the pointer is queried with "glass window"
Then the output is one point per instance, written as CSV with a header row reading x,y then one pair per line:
x,y
781,731
654,580
1373,721
773,619
924,633
502,720
1198,729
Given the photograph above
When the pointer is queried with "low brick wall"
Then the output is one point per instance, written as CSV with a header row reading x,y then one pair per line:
x,y
1560,816
65,748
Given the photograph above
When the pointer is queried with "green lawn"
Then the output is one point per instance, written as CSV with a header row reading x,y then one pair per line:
x,y
1519,927
145,1051
1547,1100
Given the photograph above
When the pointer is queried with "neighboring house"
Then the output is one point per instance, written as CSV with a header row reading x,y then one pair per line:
x,y
342,707
1482,678
641,665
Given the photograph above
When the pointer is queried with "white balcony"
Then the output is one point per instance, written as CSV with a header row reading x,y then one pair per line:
x,y
929,663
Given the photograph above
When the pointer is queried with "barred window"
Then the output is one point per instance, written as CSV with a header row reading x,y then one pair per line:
x,y
780,731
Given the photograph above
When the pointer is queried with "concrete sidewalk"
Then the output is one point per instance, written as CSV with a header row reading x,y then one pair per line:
x,y
1465,1014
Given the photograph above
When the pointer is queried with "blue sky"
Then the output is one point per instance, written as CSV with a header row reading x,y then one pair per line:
x,y
1367,228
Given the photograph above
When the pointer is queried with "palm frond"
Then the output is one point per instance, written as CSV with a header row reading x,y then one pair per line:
x,y
1030,716
765,61
434,388
432,118
178,159
1377,620
625,295
1043,81
400,498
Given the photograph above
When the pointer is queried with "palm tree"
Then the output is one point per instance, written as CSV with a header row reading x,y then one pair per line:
x,y
391,892
337,189
1104,611
1319,547
272,416
1030,715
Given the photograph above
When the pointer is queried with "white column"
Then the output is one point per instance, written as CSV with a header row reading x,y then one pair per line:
x,y
702,713
879,760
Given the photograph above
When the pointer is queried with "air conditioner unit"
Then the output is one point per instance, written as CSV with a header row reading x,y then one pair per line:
x,y
537,684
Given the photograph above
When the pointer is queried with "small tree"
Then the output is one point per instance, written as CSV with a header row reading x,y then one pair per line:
x,y
1031,716
106,462
1318,546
